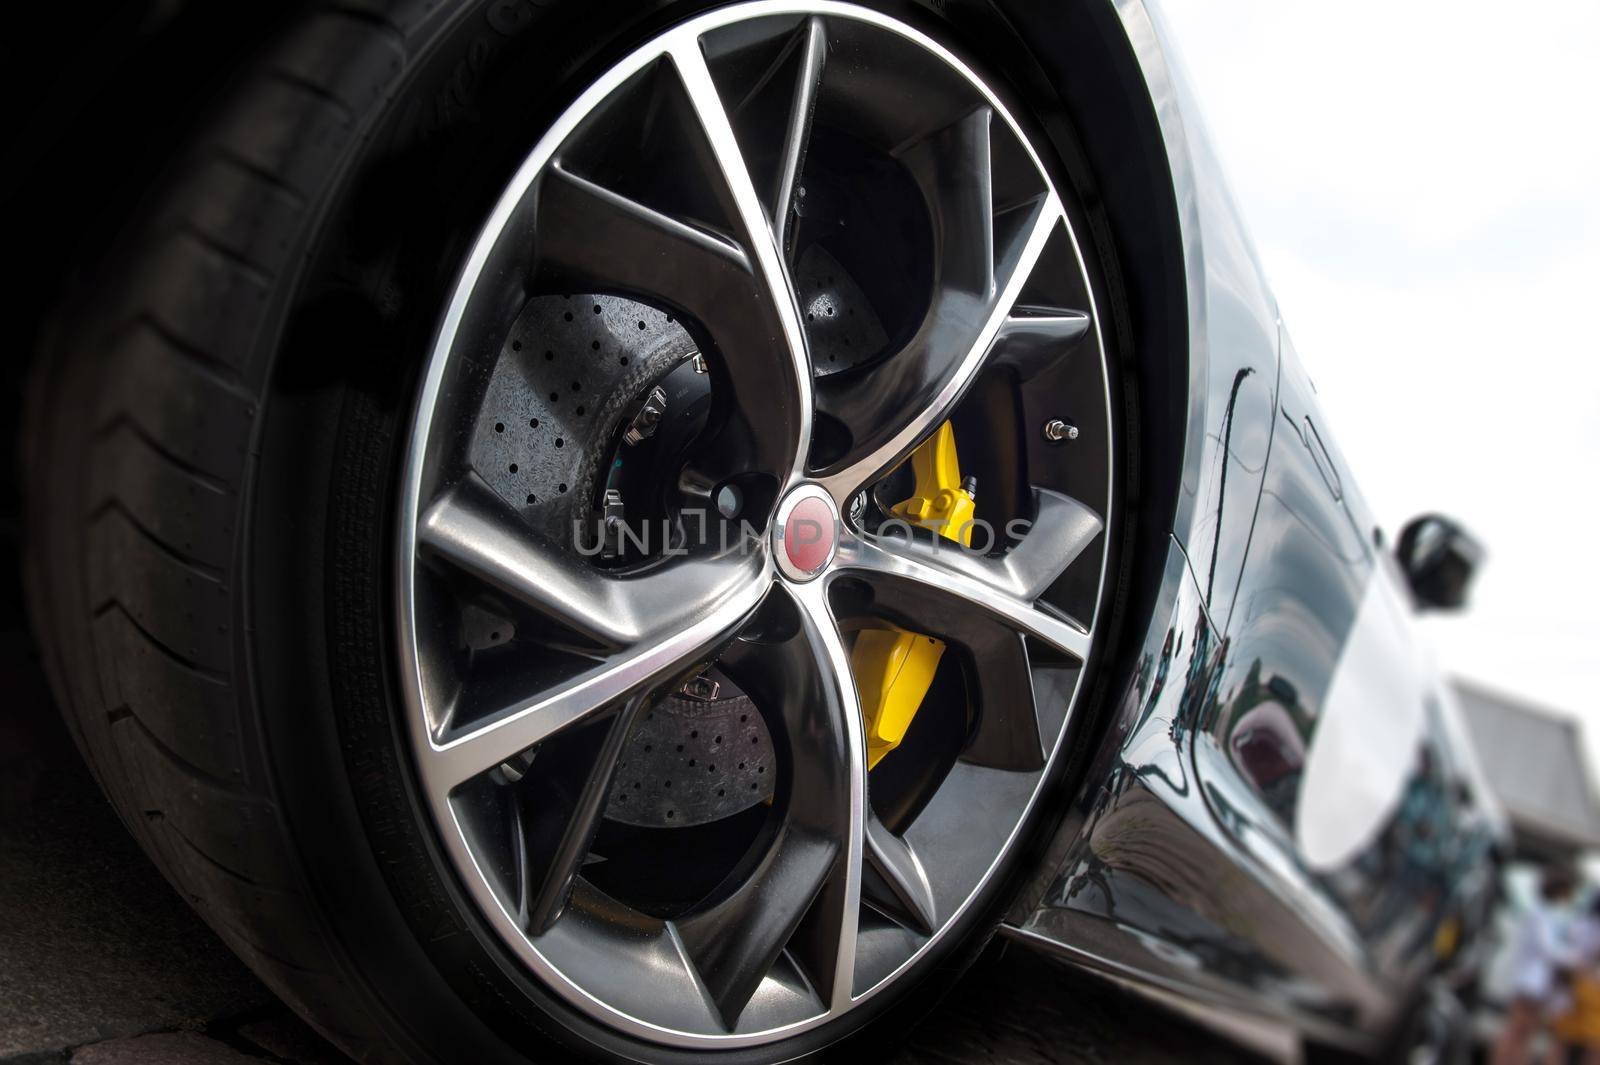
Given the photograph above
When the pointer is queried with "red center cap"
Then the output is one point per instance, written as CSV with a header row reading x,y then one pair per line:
x,y
808,534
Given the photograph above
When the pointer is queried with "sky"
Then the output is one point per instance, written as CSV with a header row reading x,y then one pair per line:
x,y
1422,181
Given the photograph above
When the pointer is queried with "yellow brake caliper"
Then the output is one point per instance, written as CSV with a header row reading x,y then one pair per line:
x,y
893,666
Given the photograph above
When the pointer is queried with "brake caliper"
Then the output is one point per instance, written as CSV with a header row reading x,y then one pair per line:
x,y
893,666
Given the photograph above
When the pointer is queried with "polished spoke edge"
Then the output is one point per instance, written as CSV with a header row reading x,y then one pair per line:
x,y
843,484
690,62
964,577
812,600
451,761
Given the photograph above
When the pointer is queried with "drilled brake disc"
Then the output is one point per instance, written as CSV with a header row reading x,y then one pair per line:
x,y
690,762
841,327
570,371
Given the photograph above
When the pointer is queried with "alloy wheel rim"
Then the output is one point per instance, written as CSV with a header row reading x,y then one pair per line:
x,y
828,904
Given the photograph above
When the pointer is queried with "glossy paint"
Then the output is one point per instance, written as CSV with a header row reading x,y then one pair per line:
x,y
1148,878
1282,815
1309,568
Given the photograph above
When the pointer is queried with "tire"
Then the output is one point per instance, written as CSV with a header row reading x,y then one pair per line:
x,y
211,454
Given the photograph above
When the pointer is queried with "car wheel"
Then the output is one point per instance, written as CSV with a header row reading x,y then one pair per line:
x,y
575,527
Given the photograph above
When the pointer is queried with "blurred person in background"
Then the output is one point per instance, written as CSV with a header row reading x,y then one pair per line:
x,y
1578,1026
1542,956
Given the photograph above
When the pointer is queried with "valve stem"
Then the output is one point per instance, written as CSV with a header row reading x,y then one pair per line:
x,y
1057,429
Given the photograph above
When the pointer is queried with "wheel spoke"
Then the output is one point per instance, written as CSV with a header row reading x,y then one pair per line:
x,y
1033,337
809,879
772,381
591,237
1061,529
734,944
894,879
889,408
955,173
595,237
675,644
798,134
1007,735
559,832
473,529
986,608
1001,589
828,947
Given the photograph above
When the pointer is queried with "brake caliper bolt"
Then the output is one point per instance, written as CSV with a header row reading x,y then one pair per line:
x,y
612,515
644,423
1057,430
702,689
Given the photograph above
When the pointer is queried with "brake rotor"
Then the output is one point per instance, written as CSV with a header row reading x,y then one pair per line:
x,y
842,329
694,760
569,372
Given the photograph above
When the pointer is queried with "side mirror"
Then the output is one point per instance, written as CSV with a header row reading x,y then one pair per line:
x,y
1439,559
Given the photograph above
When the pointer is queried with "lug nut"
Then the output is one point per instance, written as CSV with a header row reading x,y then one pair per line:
x,y
730,501
857,508
1057,430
